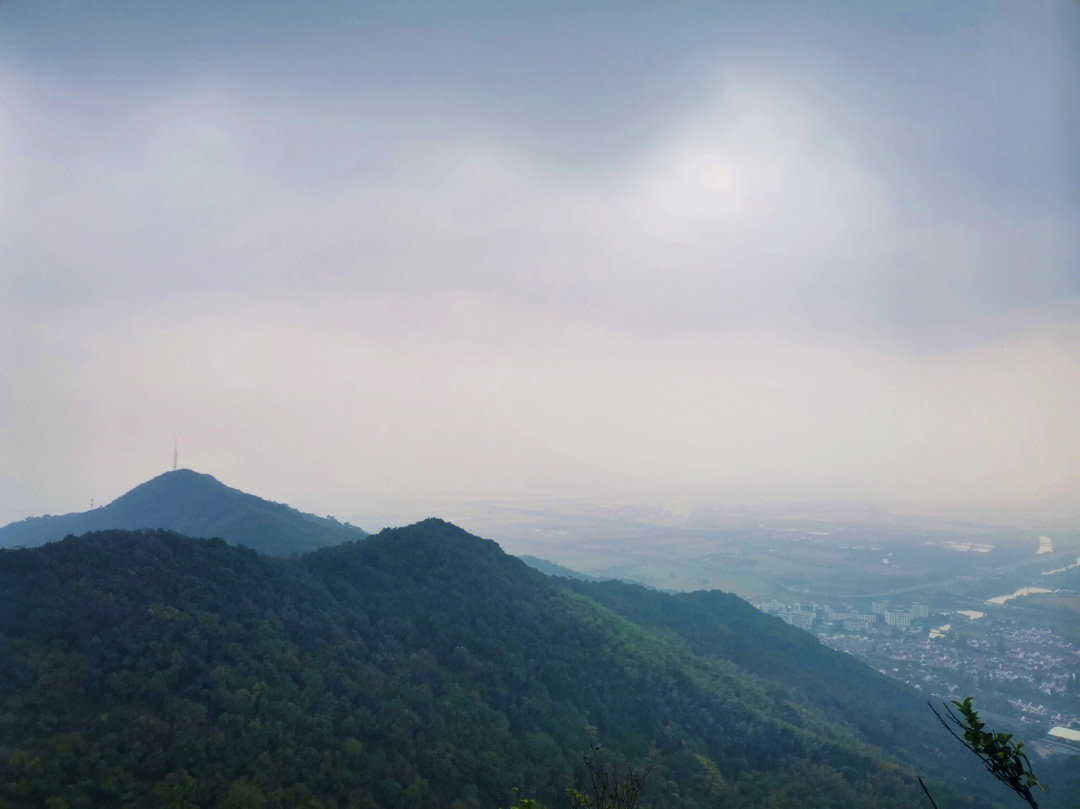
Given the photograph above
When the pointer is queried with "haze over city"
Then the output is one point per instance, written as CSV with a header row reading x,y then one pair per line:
x,y
405,259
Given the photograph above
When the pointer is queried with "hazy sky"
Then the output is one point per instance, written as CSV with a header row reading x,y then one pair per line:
x,y
380,259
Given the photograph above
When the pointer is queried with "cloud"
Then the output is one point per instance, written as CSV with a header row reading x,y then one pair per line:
x,y
757,201
457,397
790,286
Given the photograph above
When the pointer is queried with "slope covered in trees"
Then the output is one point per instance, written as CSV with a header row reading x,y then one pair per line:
x,y
196,505
418,667
723,626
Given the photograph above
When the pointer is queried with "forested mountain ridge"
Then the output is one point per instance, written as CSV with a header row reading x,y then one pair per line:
x,y
418,667
723,626
553,569
196,505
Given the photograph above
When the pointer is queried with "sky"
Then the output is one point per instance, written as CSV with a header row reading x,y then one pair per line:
x,y
387,260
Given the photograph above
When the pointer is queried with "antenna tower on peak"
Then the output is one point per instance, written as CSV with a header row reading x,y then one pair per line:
x,y
174,457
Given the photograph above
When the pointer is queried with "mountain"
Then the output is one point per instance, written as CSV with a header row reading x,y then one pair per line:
x,y
193,504
552,569
421,666
722,626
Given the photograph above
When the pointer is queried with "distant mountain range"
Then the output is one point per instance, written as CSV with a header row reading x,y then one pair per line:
x,y
553,569
195,505
421,666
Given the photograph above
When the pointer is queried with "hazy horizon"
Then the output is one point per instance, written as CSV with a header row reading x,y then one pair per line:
x,y
691,258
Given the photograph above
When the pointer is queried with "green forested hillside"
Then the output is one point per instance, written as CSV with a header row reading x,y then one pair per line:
x,y
723,626
418,667
195,505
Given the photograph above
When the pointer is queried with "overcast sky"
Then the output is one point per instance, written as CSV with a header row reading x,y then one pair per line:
x,y
383,259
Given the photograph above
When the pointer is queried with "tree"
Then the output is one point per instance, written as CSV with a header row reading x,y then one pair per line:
x,y
609,788
525,803
1002,757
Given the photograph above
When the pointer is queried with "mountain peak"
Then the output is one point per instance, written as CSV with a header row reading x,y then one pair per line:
x,y
195,504
178,477
185,473
436,531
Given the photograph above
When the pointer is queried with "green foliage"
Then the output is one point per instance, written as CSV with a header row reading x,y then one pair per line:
x,y
525,803
609,787
721,626
418,667
1002,757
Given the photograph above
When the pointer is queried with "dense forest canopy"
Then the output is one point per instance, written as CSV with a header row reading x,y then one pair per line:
x,y
418,667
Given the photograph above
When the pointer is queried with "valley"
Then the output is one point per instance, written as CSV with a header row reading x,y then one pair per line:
x,y
949,610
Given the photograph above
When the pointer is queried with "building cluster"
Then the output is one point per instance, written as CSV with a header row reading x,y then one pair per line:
x,y
900,617
803,616
1033,670
882,615
1039,659
851,620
